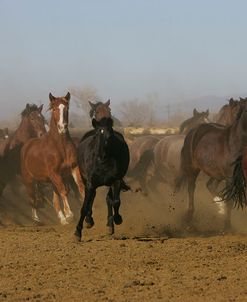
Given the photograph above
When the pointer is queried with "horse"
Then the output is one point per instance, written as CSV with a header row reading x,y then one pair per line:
x,y
4,133
141,155
166,153
228,112
100,110
103,159
32,125
196,119
212,149
52,158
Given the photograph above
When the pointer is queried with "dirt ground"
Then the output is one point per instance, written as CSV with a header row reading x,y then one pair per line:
x,y
150,258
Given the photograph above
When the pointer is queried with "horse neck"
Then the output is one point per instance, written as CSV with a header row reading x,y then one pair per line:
x,y
238,132
22,134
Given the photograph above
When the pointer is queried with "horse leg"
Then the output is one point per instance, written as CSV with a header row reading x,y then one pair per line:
x,y
89,218
212,186
88,200
58,210
32,199
109,201
78,180
57,181
117,202
191,190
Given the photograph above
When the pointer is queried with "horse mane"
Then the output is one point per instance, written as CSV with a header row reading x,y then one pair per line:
x,y
30,108
240,111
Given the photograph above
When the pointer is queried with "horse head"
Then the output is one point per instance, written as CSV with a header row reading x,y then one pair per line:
x,y
103,134
34,119
201,117
100,110
60,112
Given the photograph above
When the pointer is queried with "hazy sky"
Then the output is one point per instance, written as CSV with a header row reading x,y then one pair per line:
x,y
177,49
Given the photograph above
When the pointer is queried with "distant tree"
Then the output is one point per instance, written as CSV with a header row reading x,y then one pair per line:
x,y
136,113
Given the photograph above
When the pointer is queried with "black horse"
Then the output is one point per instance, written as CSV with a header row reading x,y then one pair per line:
x,y
103,158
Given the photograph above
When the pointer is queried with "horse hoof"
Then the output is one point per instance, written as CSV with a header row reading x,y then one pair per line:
x,y
77,237
69,217
110,230
64,221
89,222
118,219
38,222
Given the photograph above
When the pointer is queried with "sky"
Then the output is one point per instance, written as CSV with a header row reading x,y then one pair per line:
x,y
177,50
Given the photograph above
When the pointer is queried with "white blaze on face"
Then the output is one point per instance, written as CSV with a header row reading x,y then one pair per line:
x,y
61,123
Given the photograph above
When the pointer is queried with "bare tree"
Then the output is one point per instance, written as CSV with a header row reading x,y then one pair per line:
x,y
136,113
83,95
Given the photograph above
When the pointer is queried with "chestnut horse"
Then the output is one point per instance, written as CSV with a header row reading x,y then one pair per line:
x,y
212,149
32,125
52,158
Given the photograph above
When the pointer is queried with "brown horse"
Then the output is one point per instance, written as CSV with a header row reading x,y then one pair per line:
x,y
52,158
212,149
141,155
32,125
101,110
196,119
228,112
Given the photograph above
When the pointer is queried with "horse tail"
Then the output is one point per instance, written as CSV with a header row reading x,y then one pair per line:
x,y
236,189
185,162
124,186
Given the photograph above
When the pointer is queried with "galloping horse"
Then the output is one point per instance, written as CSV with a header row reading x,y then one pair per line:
x,y
103,159
212,149
196,119
166,153
32,125
52,158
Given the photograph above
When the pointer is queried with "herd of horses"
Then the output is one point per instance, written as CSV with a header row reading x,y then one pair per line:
x,y
102,157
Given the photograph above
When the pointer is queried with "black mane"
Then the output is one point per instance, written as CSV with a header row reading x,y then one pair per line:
x,y
29,108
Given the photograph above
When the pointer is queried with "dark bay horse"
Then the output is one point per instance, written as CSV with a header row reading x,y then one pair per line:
x,y
52,158
103,160
196,119
32,125
212,149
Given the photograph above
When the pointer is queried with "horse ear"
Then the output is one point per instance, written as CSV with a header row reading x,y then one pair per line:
x,y
67,97
195,112
94,123
92,105
231,101
108,103
51,97
40,108
27,106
